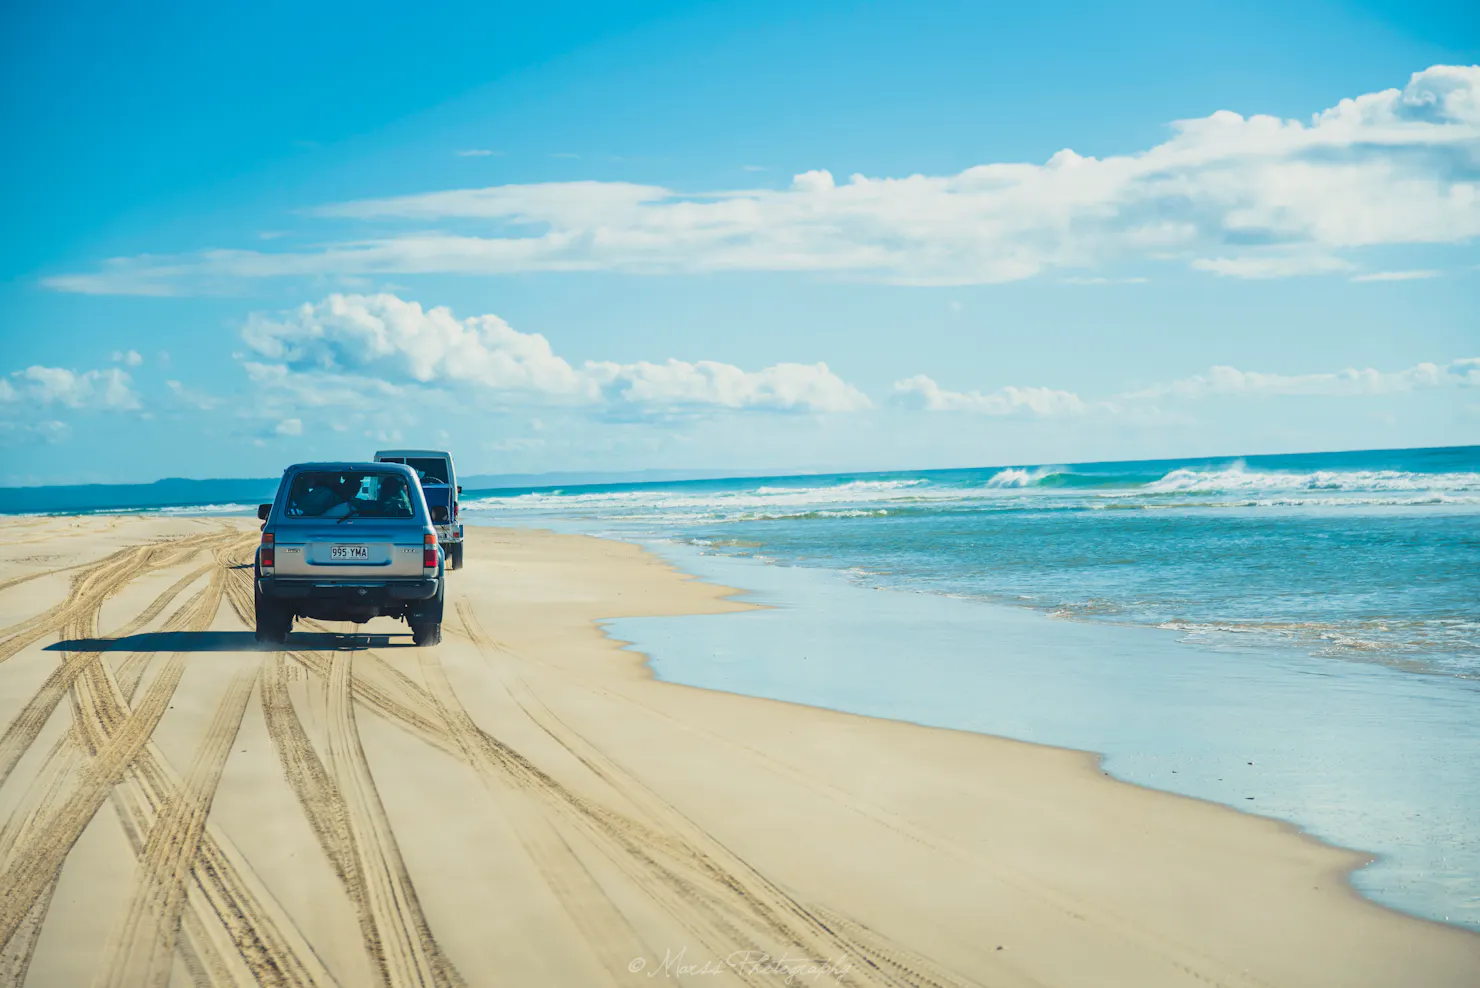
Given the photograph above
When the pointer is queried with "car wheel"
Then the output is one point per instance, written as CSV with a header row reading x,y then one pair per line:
x,y
273,620
454,555
426,633
426,620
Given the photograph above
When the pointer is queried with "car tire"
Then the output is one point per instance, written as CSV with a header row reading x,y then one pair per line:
x,y
425,633
426,621
273,620
454,555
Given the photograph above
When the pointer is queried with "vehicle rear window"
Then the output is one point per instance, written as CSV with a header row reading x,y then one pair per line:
x,y
341,493
431,470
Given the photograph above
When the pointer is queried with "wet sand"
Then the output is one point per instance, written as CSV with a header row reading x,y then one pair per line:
x,y
524,804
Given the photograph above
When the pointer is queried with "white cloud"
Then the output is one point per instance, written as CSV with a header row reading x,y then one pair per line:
x,y
1345,383
196,399
477,153
399,341
97,389
49,430
922,393
1233,195
677,384
516,444
349,349
1398,275
289,427
1271,265
129,358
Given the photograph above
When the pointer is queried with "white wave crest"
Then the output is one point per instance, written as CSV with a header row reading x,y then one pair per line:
x,y
1021,477
1238,478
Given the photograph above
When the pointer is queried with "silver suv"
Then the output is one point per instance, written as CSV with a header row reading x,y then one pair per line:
x,y
348,542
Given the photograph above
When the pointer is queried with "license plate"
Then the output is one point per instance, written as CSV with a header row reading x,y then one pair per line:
x,y
349,553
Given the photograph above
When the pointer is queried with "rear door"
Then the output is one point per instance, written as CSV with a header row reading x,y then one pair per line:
x,y
348,524
437,483
355,549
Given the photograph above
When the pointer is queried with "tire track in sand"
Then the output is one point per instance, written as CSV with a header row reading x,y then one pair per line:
x,y
98,582
144,950
715,903
47,787
406,951
234,931
36,804
711,910
716,907
326,809
23,730
711,889
28,577
342,802
36,862
606,931
232,924
357,840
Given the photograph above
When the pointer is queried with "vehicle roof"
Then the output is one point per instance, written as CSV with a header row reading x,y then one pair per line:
x,y
413,452
346,465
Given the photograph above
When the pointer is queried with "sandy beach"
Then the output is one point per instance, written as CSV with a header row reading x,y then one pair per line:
x,y
526,805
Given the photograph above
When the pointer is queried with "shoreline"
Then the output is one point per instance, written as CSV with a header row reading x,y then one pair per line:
x,y
1387,854
629,816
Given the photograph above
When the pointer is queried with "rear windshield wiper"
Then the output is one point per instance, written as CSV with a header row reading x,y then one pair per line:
x,y
353,511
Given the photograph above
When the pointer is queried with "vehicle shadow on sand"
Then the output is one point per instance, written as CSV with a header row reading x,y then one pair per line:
x,y
230,641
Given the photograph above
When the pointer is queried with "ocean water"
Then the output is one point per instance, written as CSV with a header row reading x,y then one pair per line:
x,y
1296,636
1367,556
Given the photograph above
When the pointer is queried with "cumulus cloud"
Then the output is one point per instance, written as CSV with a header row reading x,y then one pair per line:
x,y
96,389
1345,383
1271,265
1398,275
1239,196
196,399
48,430
129,358
347,349
399,340
289,427
922,393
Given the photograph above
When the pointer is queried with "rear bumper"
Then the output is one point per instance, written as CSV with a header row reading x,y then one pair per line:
x,y
357,592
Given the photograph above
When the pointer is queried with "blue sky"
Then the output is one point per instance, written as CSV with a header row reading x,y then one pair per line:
x,y
734,236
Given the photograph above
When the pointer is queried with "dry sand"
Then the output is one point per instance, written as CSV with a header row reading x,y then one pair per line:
x,y
525,805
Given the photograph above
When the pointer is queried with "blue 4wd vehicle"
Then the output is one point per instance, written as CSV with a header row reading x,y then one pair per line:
x,y
349,542
433,467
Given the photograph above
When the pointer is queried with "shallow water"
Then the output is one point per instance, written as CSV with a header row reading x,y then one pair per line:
x,y
1359,754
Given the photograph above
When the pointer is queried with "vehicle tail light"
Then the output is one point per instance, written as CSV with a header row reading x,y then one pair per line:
x,y
429,552
266,555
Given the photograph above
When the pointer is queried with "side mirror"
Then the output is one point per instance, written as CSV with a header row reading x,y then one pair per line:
x,y
439,515
459,490
263,510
